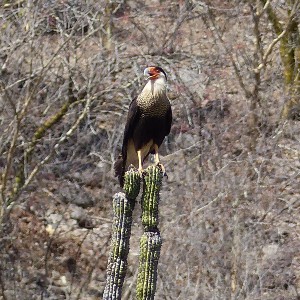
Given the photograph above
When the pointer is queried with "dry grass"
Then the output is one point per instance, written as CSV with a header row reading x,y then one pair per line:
x,y
229,214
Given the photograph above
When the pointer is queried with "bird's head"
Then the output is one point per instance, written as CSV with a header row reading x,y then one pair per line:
x,y
154,73
157,80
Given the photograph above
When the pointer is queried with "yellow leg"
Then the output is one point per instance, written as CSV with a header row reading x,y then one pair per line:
x,y
156,157
157,161
139,153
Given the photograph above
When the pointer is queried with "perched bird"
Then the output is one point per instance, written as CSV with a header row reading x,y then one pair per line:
x,y
148,122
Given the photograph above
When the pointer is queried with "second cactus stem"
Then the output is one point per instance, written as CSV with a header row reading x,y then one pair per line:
x,y
123,205
150,243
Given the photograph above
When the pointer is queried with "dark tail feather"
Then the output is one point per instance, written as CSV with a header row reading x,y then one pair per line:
x,y
120,170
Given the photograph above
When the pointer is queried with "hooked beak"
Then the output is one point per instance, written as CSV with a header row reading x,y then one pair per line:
x,y
150,73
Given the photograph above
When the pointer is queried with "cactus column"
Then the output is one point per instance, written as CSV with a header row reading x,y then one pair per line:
x,y
123,205
150,243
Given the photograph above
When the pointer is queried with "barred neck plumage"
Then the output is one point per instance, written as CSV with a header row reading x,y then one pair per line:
x,y
155,87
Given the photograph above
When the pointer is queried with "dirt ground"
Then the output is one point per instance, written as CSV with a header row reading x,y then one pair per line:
x,y
229,211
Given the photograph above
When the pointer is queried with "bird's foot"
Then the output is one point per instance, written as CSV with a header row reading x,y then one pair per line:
x,y
141,172
131,166
161,166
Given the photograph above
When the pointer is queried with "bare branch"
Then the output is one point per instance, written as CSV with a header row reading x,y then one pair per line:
x,y
270,49
230,53
8,165
63,138
278,28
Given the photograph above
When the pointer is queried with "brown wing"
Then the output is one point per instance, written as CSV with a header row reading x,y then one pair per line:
x,y
132,120
164,123
169,120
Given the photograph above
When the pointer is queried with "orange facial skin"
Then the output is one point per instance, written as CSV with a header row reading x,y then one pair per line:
x,y
153,72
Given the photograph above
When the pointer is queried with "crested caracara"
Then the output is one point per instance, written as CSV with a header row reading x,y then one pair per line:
x,y
148,122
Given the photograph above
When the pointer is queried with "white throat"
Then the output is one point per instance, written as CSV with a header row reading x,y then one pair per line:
x,y
155,87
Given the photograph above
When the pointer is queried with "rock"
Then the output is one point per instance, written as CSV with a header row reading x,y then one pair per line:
x,y
76,195
77,213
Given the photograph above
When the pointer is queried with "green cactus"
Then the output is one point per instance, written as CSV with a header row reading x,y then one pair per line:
x,y
132,181
150,198
123,205
150,243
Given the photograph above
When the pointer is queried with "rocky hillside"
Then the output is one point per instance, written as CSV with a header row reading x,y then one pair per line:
x,y
229,212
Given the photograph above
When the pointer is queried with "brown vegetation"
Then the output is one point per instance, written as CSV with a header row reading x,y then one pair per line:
x,y
229,212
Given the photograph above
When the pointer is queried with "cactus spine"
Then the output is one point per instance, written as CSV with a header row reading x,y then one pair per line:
x,y
150,242
123,205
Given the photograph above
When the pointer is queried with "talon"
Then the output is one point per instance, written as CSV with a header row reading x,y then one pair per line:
x,y
131,166
161,166
141,172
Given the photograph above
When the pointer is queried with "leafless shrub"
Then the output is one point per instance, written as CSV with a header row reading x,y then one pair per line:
x,y
229,213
